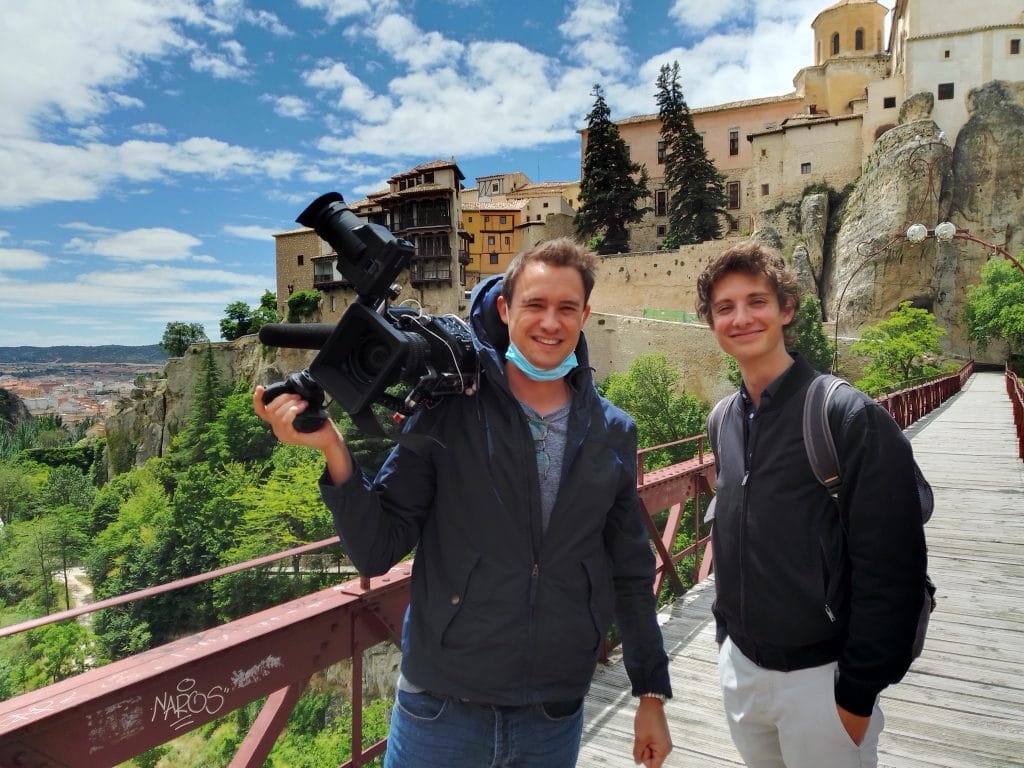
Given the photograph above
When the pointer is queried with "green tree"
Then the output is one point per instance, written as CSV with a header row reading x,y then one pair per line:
x,y
612,187
238,434
19,491
195,443
179,336
696,190
61,651
806,336
241,319
995,307
237,321
901,348
649,392
303,306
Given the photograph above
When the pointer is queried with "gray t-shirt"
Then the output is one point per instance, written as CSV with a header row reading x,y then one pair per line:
x,y
549,437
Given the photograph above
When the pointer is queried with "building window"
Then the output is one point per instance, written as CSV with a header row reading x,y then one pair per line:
x,y
805,167
945,91
764,190
490,239
858,40
660,202
334,303
733,191
662,229
301,259
835,43
508,242
487,219
945,54
661,152
734,141
503,219
494,257
428,177
889,102
1015,46
546,205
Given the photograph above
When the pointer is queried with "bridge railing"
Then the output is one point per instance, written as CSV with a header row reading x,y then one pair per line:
x,y
115,712
909,405
118,711
1016,392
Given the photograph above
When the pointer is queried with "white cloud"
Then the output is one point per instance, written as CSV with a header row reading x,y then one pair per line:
x,y
336,10
149,129
594,27
231,64
142,245
36,172
82,63
15,259
408,44
354,95
701,14
252,232
287,106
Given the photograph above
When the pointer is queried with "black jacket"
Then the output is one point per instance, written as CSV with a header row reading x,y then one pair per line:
x,y
793,589
501,612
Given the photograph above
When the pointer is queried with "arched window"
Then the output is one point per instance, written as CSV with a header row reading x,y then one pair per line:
x,y
858,40
835,43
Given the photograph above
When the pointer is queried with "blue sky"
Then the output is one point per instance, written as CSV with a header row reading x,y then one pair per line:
x,y
149,148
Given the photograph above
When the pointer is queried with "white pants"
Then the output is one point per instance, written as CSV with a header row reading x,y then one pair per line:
x,y
789,719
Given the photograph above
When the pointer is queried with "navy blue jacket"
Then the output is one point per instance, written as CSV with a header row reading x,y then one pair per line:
x,y
798,582
502,612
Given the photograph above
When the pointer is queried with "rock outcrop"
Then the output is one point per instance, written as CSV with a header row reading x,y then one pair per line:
x,y
142,426
915,176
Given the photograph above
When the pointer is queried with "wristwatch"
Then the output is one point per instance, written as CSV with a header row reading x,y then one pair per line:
x,y
659,696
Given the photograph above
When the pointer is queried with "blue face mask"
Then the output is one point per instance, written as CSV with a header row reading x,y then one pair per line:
x,y
514,356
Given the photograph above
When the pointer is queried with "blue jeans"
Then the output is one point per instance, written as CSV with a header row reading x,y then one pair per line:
x,y
429,731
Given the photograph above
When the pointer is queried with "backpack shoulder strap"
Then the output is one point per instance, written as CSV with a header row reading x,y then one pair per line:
x,y
818,441
715,419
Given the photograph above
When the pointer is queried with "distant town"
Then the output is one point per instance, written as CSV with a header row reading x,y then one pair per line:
x,y
74,390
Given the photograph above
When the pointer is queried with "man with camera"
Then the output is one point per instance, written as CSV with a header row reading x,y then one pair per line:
x,y
528,534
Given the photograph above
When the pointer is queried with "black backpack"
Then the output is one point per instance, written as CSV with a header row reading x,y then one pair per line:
x,y
824,461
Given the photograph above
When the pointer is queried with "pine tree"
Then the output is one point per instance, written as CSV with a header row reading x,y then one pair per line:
x,y
610,196
696,190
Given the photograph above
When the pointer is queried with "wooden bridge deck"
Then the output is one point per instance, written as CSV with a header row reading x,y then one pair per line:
x,y
962,703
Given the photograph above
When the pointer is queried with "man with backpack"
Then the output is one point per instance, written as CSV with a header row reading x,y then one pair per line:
x,y
818,590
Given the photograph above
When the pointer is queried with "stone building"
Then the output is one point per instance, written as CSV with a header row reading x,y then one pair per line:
x,y
771,149
421,205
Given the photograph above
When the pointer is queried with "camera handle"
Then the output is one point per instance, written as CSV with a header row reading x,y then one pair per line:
x,y
303,385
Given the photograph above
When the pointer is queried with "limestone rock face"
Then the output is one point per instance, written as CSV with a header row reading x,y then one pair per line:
x,y
874,268
151,417
814,213
914,176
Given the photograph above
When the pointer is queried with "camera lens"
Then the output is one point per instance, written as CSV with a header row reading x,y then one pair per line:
x,y
370,359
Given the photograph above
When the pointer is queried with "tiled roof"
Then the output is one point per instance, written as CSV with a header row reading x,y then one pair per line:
x,y
496,205
794,96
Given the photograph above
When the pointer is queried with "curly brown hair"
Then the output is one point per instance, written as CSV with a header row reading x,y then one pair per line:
x,y
752,258
560,252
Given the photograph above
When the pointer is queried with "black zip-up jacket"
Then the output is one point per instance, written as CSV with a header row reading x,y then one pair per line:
x,y
792,589
502,612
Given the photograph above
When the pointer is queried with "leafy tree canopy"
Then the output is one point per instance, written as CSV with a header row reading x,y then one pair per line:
x,y
649,392
612,187
179,336
995,308
241,319
901,348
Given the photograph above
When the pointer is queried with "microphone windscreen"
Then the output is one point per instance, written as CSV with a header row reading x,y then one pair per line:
x,y
296,335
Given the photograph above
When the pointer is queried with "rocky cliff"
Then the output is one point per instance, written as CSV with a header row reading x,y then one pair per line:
x,y
914,175
142,426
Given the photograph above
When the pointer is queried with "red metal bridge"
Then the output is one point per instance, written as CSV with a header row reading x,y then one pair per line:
x,y
113,713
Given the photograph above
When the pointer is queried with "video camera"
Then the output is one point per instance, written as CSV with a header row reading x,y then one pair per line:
x,y
374,346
